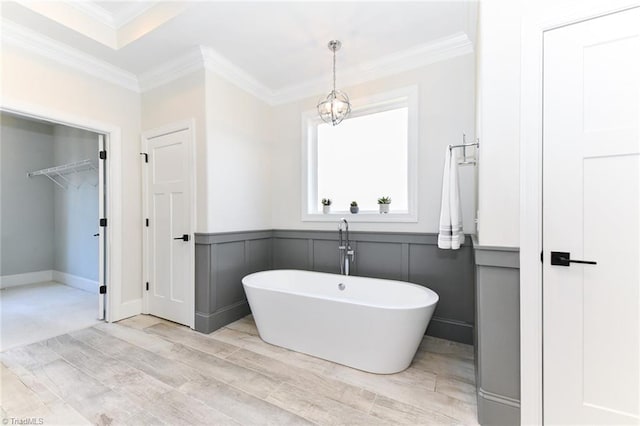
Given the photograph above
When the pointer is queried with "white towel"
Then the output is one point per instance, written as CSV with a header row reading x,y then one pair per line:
x,y
450,235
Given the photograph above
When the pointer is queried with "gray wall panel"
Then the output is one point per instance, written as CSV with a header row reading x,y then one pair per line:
x,y
325,256
226,237
379,260
203,271
450,274
258,255
496,413
291,253
229,270
498,335
502,257
458,331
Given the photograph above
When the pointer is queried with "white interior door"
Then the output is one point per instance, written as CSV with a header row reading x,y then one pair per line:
x,y
169,239
591,209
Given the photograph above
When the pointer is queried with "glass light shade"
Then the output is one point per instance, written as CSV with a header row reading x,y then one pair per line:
x,y
334,108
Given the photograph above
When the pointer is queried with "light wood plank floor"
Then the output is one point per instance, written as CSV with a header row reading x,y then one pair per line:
x,y
145,370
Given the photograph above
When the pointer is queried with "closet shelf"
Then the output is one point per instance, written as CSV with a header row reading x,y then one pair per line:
x,y
57,173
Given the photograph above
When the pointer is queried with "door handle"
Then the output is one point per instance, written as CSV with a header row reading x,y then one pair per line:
x,y
185,237
563,258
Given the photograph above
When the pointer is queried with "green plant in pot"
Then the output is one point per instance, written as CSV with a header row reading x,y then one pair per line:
x,y
354,207
326,205
383,204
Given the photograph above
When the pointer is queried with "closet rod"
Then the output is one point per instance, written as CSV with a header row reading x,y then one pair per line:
x,y
64,168
464,145
57,174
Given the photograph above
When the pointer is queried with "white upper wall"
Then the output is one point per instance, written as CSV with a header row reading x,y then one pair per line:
x,y
238,158
446,110
498,123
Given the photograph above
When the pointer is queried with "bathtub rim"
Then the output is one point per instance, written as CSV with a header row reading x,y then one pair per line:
x,y
434,298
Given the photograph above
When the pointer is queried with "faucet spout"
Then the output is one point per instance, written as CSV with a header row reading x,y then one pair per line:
x,y
344,246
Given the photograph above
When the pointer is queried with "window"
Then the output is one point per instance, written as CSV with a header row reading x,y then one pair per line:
x,y
371,154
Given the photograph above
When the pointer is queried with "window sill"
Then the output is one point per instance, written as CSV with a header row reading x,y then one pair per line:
x,y
366,216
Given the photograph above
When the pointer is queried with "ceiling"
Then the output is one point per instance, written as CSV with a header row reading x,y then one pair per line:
x,y
279,44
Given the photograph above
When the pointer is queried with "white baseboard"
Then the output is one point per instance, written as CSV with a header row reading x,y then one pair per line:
x,y
7,281
76,281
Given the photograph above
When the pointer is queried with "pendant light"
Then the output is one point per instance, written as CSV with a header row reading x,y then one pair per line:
x,y
336,106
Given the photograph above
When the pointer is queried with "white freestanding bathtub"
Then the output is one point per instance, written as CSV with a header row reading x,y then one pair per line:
x,y
370,324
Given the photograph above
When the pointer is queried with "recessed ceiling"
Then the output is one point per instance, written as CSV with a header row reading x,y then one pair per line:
x,y
279,44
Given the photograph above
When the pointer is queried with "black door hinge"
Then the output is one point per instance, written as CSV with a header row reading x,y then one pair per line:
x,y
103,155
103,222
542,257
103,289
146,156
146,222
147,285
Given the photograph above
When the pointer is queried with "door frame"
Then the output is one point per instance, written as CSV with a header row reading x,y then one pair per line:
x,y
535,23
112,194
188,125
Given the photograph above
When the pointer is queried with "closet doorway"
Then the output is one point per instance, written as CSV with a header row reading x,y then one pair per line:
x,y
53,245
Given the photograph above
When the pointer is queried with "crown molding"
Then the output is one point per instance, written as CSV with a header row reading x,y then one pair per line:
x,y
439,50
215,62
204,58
93,11
172,70
207,58
113,20
17,35
134,10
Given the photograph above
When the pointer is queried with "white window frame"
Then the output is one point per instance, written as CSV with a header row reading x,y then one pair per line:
x,y
404,97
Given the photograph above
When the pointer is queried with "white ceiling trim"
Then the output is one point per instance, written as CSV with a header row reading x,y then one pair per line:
x,y
94,12
215,62
207,58
172,70
204,58
32,41
124,16
113,20
438,50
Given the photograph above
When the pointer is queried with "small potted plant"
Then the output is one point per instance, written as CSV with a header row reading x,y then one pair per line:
x,y
383,203
326,205
354,207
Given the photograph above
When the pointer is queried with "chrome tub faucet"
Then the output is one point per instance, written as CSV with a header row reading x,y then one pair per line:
x,y
347,255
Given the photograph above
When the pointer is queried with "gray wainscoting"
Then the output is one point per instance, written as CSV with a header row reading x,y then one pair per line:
x,y
498,335
223,259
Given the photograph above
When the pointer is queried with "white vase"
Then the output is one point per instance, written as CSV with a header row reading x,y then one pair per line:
x,y
326,209
384,208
